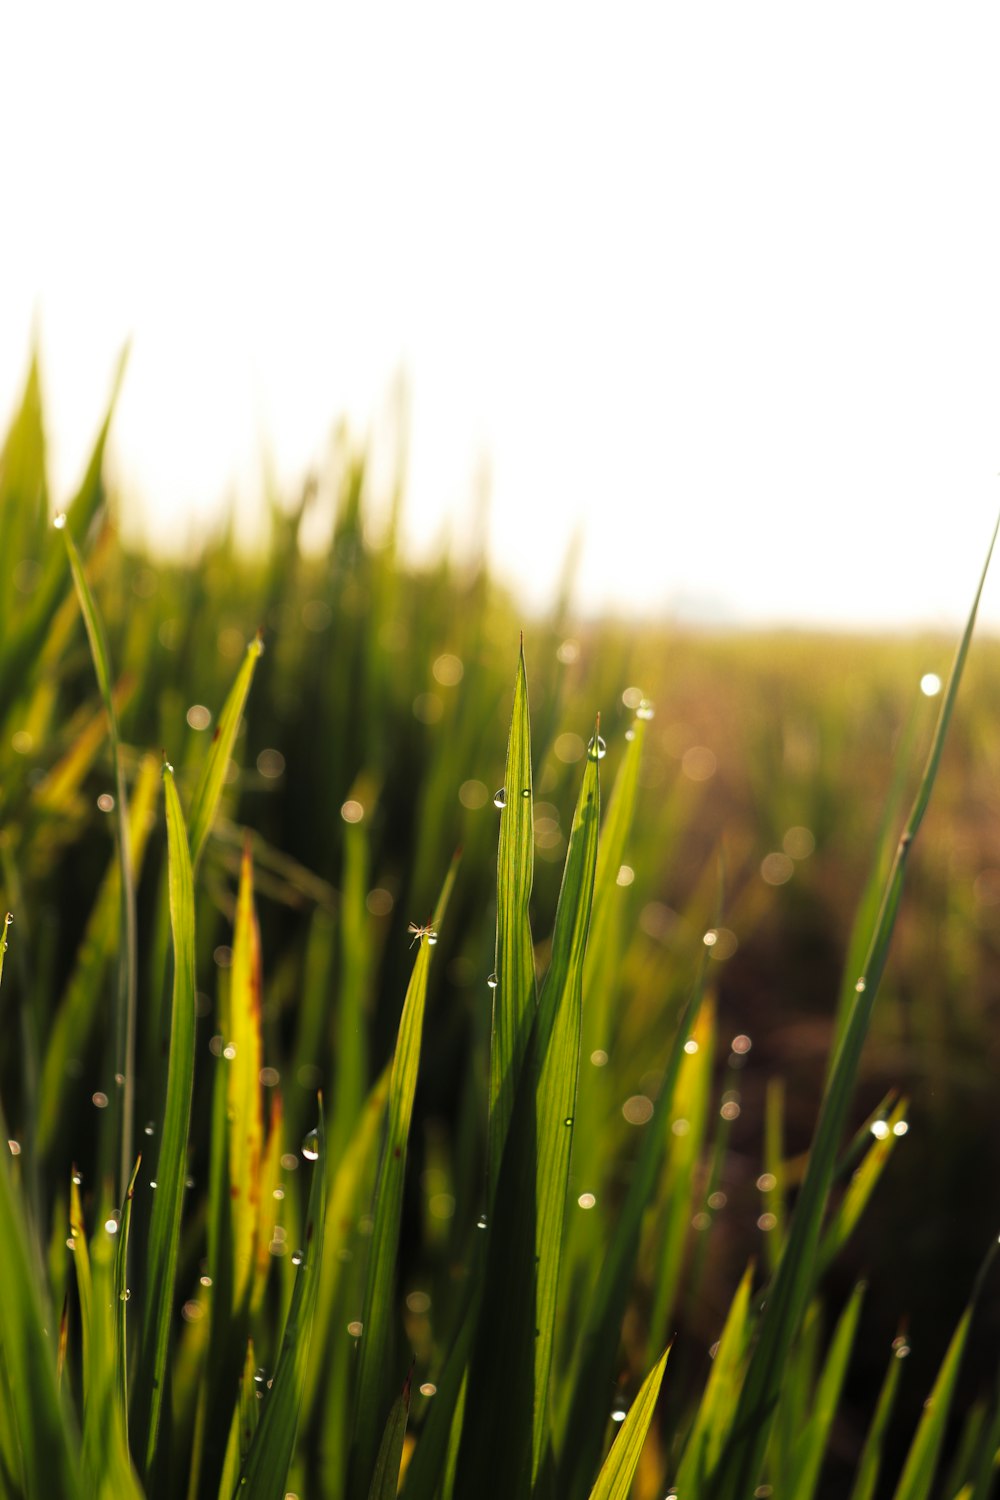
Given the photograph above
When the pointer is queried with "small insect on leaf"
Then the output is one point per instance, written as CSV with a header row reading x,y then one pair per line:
x,y
422,930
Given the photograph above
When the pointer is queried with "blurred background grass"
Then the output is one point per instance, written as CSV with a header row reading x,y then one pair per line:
x,y
373,740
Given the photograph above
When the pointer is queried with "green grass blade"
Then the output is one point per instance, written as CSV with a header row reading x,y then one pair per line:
x,y
514,969
615,1479
862,1185
385,1479
122,1296
48,1442
125,1018
598,1345
171,1167
711,1423
925,1450
208,789
813,1442
870,1461
266,1468
793,1282
558,1029
379,1305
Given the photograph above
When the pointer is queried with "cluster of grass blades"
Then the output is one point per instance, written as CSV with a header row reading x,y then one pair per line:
x,y
311,1234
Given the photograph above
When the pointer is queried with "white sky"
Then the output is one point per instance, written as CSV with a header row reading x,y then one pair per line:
x,y
718,282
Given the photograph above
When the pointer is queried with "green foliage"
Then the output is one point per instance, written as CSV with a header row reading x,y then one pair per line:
x,y
533,1182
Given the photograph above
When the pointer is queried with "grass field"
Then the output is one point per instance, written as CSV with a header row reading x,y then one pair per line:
x,y
515,1066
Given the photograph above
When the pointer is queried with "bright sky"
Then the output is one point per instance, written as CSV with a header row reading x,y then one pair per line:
x,y
718,283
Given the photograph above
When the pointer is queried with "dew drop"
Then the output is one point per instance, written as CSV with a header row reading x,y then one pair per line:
x,y
77,1179
860,986
492,982
297,1258
500,797
645,710
481,1222
149,1128
526,792
310,1146
125,1294
356,1329
568,1120
619,1414
59,521
432,938
596,748
111,1224
630,735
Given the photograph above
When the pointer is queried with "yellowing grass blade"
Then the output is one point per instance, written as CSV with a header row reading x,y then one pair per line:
x,y
379,1305
241,1032
171,1166
205,801
615,1479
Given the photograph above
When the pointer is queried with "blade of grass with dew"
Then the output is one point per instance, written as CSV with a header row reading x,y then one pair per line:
x,y
604,960
125,1001
704,1441
48,1440
558,1027
815,1437
514,995
356,963
863,1182
379,1306
615,1479
794,1278
235,1194
121,1298
266,1468
925,1450
171,1167
78,1010
690,1104
593,1370
208,790
866,1475
516,1317
242,1427
776,1195
385,1479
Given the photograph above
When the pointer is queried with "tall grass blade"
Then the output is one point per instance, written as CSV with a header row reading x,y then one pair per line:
x,y
208,789
925,1450
793,1281
598,1345
379,1306
125,1004
171,1166
514,996
266,1468
615,1479
558,1028
870,1461
813,1441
